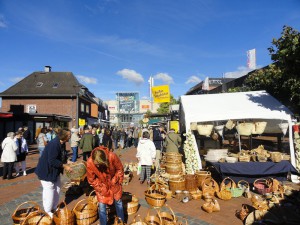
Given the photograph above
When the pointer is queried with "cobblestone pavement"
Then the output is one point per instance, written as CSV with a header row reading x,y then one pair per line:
x,y
27,188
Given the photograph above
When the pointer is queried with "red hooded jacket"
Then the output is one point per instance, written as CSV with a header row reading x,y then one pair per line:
x,y
107,185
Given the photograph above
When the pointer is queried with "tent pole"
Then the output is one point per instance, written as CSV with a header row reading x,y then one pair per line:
x,y
240,146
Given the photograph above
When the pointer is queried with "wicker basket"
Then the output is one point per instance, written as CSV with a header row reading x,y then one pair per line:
x,y
38,218
78,171
132,207
205,129
191,182
193,125
173,168
168,218
155,197
196,194
86,213
177,184
262,158
276,156
209,186
118,221
201,175
173,157
244,158
63,216
245,129
262,186
138,222
259,127
93,198
153,219
21,213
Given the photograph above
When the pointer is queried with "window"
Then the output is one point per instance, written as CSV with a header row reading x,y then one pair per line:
x,y
39,84
87,109
82,107
55,85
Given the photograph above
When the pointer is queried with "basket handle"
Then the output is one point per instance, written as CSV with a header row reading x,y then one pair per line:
x,y
32,214
117,219
137,216
58,207
32,202
231,182
80,202
262,180
171,212
157,212
239,184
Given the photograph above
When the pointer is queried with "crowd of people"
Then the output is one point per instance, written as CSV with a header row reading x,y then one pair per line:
x,y
105,171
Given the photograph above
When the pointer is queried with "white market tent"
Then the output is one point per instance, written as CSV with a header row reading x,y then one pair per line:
x,y
254,105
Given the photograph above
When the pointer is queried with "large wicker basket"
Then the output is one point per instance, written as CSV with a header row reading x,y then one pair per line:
x,y
177,184
173,157
191,183
86,213
173,168
38,218
63,216
132,207
201,175
20,214
155,197
78,171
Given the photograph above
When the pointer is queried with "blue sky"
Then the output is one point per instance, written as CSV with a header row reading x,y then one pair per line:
x,y
116,45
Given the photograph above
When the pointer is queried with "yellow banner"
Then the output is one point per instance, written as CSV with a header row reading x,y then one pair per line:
x,y
81,122
161,93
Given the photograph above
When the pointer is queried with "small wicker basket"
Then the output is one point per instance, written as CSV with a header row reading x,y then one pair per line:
x,y
86,213
20,214
155,197
153,219
63,216
168,218
178,184
132,207
38,218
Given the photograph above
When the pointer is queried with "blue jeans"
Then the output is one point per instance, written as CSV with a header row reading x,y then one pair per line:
x,y
41,149
102,211
75,153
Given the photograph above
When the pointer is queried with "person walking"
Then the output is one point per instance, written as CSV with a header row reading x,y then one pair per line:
x,y
158,142
172,141
115,138
107,141
42,140
27,135
50,165
146,152
87,143
122,138
105,174
21,153
75,139
135,136
96,137
9,155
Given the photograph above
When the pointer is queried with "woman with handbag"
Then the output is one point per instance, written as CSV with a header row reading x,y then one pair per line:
x,y
105,174
172,141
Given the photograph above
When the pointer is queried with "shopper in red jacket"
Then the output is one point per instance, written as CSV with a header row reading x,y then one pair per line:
x,y
105,173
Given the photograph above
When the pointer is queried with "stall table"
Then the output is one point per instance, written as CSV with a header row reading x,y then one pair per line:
x,y
250,171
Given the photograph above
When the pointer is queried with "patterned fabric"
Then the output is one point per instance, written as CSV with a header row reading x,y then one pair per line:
x,y
145,170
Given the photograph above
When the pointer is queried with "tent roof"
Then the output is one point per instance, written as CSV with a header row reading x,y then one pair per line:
x,y
238,106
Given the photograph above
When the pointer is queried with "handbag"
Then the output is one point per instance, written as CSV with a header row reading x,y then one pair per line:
x,y
245,129
230,125
243,212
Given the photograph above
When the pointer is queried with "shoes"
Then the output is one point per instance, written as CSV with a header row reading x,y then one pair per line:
x,y
141,182
148,183
3,178
18,174
24,173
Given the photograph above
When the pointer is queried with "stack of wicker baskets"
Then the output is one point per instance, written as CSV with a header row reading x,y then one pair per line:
x,y
173,163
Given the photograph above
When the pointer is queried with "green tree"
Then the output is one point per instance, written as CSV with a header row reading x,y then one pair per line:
x,y
164,107
281,79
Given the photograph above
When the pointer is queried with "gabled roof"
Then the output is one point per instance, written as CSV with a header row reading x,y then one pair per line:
x,y
44,84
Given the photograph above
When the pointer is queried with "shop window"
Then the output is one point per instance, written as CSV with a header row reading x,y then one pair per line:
x,y
82,107
87,109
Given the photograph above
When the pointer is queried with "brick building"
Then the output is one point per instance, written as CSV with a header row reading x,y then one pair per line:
x,y
49,98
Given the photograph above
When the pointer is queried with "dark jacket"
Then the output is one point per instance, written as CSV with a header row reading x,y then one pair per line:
x,y
87,142
107,141
157,139
50,164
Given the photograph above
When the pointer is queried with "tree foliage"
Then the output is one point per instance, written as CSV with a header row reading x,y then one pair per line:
x,y
164,107
281,79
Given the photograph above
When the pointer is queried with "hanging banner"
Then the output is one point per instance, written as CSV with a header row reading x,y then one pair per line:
x,y
251,59
161,93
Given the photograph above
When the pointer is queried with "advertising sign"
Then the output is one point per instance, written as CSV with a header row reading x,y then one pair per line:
x,y
127,102
161,93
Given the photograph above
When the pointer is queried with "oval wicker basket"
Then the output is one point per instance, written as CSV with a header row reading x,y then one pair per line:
x,y
78,171
191,182
86,213
20,214
177,184
38,218
132,207
262,186
173,168
173,157
153,219
201,175
168,218
155,197
63,216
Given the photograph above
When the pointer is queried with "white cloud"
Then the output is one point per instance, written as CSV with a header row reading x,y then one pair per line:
x,y
193,79
87,80
164,77
16,79
241,71
3,23
131,76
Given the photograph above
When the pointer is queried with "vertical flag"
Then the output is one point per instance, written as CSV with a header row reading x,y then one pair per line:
x,y
205,84
161,93
251,59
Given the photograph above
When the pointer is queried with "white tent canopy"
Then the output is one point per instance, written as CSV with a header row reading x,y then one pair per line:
x,y
255,105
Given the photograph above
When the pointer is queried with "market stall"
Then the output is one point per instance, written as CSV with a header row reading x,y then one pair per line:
x,y
216,109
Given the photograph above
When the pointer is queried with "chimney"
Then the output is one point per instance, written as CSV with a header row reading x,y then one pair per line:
x,y
47,69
